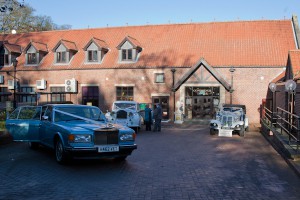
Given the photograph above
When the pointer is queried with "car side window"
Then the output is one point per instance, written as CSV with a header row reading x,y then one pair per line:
x,y
27,112
48,113
14,114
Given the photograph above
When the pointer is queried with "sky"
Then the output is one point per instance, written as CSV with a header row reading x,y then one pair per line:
x,y
81,14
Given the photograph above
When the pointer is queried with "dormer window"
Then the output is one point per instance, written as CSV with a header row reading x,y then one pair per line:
x,y
35,52
64,51
8,52
95,51
129,50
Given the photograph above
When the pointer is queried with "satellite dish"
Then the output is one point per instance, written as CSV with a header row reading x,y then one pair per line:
x,y
272,87
13,31
290,86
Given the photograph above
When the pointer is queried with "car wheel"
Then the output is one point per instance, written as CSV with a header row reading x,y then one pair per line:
x,y
247,129
242,131
212,131
60,154
33,145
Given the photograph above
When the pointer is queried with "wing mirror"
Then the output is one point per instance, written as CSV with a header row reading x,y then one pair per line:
x,y
45,117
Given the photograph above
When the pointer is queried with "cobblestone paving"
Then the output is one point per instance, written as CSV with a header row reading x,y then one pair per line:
x,y
175,164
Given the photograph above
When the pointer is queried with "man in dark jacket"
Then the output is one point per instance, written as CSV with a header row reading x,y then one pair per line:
x,y
157,115
148,118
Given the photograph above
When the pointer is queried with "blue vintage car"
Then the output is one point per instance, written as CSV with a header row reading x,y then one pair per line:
x,y
72,131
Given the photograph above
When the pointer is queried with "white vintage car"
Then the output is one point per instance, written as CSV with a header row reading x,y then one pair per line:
x,y
126,113
230,118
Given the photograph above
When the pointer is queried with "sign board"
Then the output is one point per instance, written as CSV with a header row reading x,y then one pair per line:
x,y
225,132
178,118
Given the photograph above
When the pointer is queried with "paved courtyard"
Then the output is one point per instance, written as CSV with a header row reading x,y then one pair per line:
x,y
177,163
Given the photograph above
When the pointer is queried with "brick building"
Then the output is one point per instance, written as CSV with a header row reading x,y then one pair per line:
x,y
196,66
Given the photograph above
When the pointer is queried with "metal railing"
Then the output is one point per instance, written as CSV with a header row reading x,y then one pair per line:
x,y
284,122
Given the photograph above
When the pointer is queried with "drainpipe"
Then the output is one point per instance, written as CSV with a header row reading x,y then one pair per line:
x,y
173,89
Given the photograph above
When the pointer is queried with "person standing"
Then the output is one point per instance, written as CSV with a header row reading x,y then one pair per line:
x,y
157,114
148,118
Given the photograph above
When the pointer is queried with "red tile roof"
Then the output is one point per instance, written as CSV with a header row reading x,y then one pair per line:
x,y
38,46
295,63
242,43
12,47
100,43
279,78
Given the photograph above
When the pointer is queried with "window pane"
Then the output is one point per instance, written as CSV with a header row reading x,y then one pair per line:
x,y
159,78
124,54
58,57
63,56
90,56
6,59
125,93
129,54
31,58
95,55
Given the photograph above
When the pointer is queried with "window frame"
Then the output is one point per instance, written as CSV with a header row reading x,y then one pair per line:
x,y
60,96
93,58
129,95
31,61
126,54
61,57
156,80
27,98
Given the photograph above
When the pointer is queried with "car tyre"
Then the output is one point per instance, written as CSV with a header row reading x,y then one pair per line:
x,y
247,129
60,154
212,131
33,145
242,131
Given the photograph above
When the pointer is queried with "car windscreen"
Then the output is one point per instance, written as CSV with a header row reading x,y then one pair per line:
x,y
86,112
118,106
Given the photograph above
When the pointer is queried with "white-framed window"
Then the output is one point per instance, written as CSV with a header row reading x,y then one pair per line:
x,y
61,57
159,77
31,58
126,54
92,56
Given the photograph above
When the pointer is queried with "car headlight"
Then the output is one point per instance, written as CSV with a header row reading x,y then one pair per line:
x,y
80,138
127,137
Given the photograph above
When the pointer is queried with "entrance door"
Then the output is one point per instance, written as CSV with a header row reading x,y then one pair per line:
x,y
202,107
164,102
201,102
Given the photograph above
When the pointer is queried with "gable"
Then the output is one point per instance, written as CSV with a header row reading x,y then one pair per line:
x,y
192,71
92,46
126,45
31,49
61,48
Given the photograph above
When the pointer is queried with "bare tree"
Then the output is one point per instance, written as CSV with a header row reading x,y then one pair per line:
x,y
19,17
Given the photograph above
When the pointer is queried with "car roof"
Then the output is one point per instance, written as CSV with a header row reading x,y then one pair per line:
x,y
125,102
235,106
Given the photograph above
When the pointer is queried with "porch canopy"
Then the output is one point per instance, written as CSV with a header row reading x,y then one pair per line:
x,y
193,69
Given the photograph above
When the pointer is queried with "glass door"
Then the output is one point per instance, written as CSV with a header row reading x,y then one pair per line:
x,y
164,102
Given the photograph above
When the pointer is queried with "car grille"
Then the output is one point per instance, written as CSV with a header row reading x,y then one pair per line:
x,y
106,136
121,114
